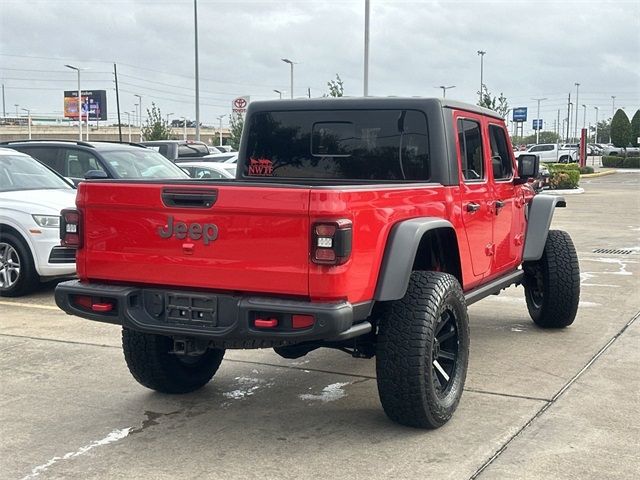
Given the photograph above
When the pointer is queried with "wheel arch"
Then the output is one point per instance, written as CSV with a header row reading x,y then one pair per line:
x,y
16,232
417,244
539,216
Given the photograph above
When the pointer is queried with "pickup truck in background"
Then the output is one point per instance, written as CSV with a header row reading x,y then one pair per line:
x,y
365,225
552,153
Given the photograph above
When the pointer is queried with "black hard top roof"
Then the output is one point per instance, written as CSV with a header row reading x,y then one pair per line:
x,y
381,103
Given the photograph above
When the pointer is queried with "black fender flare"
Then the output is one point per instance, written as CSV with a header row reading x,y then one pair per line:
x,y
539,215
400,253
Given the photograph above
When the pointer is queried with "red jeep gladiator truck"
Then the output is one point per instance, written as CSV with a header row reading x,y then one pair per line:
x,y
367,225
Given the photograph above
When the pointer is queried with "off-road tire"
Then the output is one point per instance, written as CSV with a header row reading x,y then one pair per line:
x,y
28,278
407,380
153,366
552,284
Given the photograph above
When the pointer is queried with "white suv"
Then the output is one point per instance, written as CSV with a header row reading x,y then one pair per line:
x,y
31,197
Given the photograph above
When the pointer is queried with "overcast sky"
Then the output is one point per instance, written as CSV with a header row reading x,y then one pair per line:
x,y
534,49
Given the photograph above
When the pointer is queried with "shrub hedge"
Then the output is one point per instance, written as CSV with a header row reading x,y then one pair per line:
x,y
564,179
560,167
631,162
586,170
612,161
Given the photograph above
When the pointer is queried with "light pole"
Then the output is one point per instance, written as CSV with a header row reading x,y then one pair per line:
x,y
279,93
135,114
539,122
366,48
129,123
139,116
613,105
220,117
481,53
139,104
77,69
286,60
197,70
28,120
444,89
584,116
596,134
16,105
168,115
575,131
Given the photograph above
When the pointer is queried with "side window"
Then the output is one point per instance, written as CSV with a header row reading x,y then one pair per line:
x,y
78,162
470,140
537,148
48,156
500,158
548,148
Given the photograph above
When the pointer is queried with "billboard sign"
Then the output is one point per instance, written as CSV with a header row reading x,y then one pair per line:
x,y
93,101
537,124
239,105
520,114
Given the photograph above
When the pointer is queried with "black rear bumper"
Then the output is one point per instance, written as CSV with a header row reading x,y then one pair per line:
x,y
226,320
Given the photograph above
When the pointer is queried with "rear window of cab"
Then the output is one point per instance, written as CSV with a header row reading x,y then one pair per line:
x,y
385,145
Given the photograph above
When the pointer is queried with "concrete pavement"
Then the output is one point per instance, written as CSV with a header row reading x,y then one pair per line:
x,y
538,404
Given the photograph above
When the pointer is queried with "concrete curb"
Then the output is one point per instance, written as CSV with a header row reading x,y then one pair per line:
x,y
573,191
601,173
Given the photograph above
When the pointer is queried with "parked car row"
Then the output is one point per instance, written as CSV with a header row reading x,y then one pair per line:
x,y
31,198
38,179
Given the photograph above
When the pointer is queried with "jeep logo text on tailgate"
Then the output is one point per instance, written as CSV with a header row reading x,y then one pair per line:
x,y
207,232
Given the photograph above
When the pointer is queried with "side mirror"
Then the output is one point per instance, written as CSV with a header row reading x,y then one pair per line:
x,y
95,175
528,167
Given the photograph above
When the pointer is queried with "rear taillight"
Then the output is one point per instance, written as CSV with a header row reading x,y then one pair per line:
x,y
331,242
70,235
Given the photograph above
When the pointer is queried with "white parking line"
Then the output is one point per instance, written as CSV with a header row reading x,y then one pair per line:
x,y
114,436
29,305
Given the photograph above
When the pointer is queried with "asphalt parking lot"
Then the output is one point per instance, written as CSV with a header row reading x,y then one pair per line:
x,y
538,404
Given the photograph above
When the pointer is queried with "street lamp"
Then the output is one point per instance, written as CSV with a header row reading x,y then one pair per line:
x,y
539,123
613,105
184,125
139,104
79,102
168,115
444,89
197,68
584,116
481,53
135,113
279,93
220,117
129,123
286,60
28,120
596,134
366,48
16,105
576,110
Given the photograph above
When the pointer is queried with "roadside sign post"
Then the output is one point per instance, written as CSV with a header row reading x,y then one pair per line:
x,y
519,117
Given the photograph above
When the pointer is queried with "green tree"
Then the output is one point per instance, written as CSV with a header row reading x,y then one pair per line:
x,y
336,87
155,127
635,129
620,129
497,104
545,137
604,131
236,126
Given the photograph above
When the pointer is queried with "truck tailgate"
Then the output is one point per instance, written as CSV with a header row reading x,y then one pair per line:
x,y
250,239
